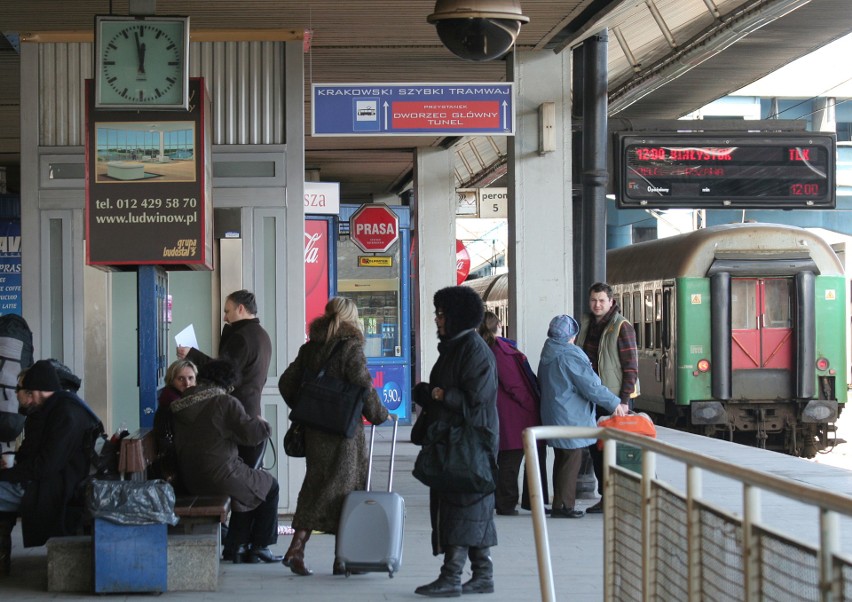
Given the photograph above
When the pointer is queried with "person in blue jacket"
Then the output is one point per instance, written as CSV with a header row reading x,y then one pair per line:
x,y
570,390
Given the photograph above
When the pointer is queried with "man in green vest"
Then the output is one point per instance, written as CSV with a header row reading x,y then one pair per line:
x,y
610,342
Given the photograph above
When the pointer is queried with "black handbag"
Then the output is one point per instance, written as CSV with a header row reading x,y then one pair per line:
x,y
329,404
457,458
294,440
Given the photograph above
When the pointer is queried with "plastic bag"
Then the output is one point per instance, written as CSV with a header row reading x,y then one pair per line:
x,y
133,502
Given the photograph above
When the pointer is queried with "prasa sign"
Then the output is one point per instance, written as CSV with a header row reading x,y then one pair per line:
x,y
374,228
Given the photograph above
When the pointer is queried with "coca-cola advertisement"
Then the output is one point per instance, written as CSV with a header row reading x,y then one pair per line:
x,y
316,268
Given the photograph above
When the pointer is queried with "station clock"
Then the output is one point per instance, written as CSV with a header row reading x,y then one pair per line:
x,y
141,62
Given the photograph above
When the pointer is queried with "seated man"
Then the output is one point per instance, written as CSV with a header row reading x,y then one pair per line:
x,y
209,425
51,462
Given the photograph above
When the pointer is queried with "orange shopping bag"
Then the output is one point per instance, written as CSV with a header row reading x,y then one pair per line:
x,y
641,424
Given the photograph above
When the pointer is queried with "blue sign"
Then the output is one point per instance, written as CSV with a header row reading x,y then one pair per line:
x,y
389,382
10,267
451,109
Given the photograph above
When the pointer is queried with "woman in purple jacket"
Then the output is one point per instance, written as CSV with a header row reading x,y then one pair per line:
x,y
518,402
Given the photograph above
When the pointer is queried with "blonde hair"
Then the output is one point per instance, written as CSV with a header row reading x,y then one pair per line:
x,y
175,367
339,310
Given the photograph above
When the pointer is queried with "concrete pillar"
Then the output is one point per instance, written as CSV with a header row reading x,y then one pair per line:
x,y
825,119
540,239
434,227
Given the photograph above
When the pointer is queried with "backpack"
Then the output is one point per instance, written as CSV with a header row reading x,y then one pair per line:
x,y
16,354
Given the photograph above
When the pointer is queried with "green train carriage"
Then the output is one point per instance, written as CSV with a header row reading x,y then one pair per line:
x,y
741,332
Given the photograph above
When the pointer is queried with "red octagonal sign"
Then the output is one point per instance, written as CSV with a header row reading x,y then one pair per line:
x,y
374,228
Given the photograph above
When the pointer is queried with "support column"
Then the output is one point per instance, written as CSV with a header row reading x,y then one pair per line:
x,y
540,222
434,227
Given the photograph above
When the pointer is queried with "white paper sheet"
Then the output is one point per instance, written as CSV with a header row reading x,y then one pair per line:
x,y
186,337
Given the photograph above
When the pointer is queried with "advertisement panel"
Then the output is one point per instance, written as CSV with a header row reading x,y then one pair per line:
x,y
148,186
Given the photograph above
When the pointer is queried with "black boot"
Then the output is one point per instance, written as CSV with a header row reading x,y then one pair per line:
x,y
482,581
6,525
448,585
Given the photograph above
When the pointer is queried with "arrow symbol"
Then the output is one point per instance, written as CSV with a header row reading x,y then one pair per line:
x,y
505,104
386,115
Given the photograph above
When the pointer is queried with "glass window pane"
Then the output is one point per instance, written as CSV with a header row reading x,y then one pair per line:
x,y
777,311
376,291
743,305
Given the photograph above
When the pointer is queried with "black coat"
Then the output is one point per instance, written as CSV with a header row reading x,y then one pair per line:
x,y
52,461
247,345
467,373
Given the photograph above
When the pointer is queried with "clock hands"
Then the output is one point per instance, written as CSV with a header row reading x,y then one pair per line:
x,y
140,55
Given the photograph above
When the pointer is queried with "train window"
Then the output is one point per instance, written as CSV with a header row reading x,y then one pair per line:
x,y
777,304
743,305
658,319
624,306
667,318
637,315
648,319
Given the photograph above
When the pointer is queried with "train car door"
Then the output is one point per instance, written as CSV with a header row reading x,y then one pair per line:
x,y
761,324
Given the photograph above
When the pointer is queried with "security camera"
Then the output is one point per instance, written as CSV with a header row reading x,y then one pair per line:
x,y
478,30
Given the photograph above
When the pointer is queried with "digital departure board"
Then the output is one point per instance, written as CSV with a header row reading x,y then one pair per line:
x,y
664,171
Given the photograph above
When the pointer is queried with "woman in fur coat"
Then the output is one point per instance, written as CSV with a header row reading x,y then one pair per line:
x,y
335,465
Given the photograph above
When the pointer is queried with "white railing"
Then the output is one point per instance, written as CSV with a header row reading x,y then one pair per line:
x,y
688,549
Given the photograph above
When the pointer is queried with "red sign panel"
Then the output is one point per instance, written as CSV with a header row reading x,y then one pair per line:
x,y
462,262
374,228
316,269
430,115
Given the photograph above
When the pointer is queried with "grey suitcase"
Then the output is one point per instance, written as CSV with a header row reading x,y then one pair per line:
x,y
370,533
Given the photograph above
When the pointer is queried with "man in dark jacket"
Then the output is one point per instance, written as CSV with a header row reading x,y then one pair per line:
x,y
462,385
246,344
51,463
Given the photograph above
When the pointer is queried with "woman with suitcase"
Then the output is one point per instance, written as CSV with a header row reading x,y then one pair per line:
x,y
335,465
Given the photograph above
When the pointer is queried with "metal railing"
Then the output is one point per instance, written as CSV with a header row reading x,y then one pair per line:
x,y
674,545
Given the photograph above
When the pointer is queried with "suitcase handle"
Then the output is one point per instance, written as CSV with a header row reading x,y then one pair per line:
x,y
395,420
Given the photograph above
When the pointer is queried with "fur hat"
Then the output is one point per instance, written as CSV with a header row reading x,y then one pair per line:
x,y
220,372
462,307
41,376
563,328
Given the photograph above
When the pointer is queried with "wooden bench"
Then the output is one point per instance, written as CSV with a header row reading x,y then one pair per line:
x,y
196,512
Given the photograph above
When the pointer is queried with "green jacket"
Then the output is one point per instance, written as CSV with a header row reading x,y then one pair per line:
x,y
609,361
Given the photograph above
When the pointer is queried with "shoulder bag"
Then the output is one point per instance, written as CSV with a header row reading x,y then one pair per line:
x,y
329,404
294,440
456,458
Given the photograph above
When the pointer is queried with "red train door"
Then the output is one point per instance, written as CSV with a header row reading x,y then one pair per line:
x,y
761,323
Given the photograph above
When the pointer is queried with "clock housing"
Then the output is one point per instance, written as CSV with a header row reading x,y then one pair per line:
x,y
141,62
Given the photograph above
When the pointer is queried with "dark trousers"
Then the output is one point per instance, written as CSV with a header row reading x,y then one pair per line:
x,y
597,464
566,468
508,466
258,527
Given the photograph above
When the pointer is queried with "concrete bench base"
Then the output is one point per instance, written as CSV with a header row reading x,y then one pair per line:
x,y
193,563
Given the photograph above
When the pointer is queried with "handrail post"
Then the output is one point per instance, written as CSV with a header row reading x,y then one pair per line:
x,y
649,468
751,558
609,518
542,544
693,532
829,545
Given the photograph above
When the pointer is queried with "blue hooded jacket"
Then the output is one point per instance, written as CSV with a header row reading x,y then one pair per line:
x,y
569,390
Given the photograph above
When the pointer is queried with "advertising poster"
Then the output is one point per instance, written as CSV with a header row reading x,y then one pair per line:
x,y
10,267
147,186
316,269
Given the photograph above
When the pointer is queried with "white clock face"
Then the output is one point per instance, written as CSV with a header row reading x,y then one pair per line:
x,y
141,63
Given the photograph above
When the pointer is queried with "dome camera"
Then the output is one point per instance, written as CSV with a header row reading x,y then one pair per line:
x,y
478,30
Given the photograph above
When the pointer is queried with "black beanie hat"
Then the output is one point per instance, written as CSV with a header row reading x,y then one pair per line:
x,y
41,377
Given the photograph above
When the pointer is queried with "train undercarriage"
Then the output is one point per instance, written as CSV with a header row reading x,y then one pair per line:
x,y
788,427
